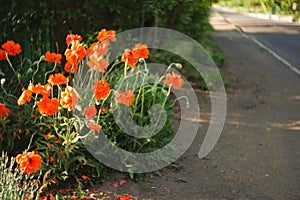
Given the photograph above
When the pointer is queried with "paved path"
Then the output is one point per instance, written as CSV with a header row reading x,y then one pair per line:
x,y
260,144
283,38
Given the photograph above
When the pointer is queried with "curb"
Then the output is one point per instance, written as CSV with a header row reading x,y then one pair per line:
x,y
260,44
277,18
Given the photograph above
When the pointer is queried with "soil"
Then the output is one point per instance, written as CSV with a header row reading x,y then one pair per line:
x,y
258,153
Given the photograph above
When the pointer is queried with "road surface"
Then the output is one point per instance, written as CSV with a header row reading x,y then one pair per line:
x,y
262,159
283,38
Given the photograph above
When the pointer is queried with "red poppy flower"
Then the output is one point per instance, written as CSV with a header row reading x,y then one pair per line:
x,y
137,52
12,48
4,112
2,55
125,197
72,68
94,127
25,96
47,197
73,37
75,53
125,98
141,50
101,89
98,48
103,109
174,80
52,159
129,56
48,106
47,136
84,177
29,162
68,98
53,57
40,89
57,79
106,35
90,112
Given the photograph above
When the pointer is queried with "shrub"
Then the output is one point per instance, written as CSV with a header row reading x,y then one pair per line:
x,y
61,110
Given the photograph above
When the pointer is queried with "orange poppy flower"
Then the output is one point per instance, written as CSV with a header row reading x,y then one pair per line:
x,y
73,37
47,136
140,50
4,112
48,106
129,56
53,57
40,89
125,197
174,80
57,79
84,177
125,98
94,127
12,48
101,89
75,53
90,112
106,35
2,55
98,48
68,98
137,52
103,109
52,159
72,68
29,162
98,63
25,96
47,197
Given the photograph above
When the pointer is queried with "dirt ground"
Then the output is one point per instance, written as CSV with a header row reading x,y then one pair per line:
x,y
258,153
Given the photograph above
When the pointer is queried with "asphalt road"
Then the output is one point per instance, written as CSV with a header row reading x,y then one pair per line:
x,y
283,38
259,149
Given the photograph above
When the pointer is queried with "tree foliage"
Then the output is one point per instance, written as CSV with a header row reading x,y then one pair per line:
x,y
42,25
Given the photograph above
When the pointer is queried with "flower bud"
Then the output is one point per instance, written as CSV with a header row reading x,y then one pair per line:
x,y
2,81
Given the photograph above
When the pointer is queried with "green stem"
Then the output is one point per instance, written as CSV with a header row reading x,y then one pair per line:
x,y
13,69
37,69
163,105
30,142
46,74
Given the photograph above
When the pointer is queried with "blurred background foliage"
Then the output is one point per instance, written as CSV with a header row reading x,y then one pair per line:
x,y
43,25
273,6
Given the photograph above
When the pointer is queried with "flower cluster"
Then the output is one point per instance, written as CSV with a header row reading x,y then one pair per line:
x,y
49,105
59,143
